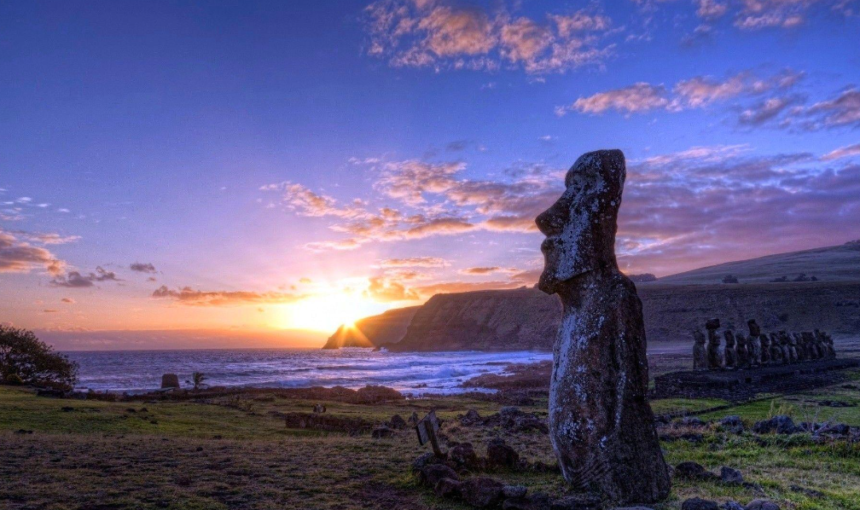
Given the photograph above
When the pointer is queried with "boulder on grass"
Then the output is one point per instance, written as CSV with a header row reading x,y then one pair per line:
x,y
578,502
780,424
448,488
699,504
731,476
762,504
482,492
431,474
693,471
397,422
500,455
382,432
464,456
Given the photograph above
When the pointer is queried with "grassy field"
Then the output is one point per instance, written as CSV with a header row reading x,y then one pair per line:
x,y
238,454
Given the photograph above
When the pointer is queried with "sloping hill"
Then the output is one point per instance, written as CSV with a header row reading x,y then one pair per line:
x,y
830,264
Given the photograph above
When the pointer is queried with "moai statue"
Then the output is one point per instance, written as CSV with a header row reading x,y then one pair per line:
x,y
729,353
715,355
700,354
775,350
754,343
789,355
765,349
802,348
743,359
601,425
826,343
793,350
814,348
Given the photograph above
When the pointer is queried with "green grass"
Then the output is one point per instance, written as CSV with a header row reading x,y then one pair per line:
x,y
100,455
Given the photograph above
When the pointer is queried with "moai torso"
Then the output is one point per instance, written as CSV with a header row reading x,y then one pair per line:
x,y
802,350
814,349
789,348
700,353
765,349
730,353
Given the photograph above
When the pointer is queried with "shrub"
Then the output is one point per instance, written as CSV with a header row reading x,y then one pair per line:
x,y
26,359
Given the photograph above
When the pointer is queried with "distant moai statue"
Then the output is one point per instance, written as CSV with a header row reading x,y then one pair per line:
x,y
729,353
169,381
826,342
792,348
775,350
715,355
814,349
765,349
831,349
802,348
754,343
789,355
700,354
743,359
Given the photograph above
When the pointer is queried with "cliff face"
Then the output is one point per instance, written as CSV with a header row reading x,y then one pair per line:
x,y
528,319
375,331
493,320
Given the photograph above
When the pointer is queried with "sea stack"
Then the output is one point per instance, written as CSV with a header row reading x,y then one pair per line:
x,y
601,425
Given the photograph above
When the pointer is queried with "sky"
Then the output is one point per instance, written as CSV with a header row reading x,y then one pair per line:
x,y
296,165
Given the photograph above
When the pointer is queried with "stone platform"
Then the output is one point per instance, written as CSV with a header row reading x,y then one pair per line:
x,y
745,384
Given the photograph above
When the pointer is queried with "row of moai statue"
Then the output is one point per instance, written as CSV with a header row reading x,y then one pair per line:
x,y
757,349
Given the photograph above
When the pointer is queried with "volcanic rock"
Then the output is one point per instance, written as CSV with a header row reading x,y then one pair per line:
x,y
482,492
699,504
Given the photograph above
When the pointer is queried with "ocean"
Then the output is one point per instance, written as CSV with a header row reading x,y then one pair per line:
x,y
441,372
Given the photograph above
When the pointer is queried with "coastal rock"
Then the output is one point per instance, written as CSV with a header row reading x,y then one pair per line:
x,y
482,492
601,425
169,381
732,424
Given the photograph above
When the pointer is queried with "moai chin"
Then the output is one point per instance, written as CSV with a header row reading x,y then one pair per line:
x,y
715,355
730,352
601,425
700,354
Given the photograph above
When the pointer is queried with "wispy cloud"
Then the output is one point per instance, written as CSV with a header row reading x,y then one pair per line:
x,y
190,297
451,35
17,256
74,279
414,262
843,152
141,267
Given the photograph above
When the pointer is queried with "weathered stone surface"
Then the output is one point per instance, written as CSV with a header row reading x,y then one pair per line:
x,y
729,353
397,422
382,432
463,456
482,492
699,504
578,502
731,476
693,471
448,488
780,424
514,491
499,454
432,473
715,354
425,460
731,505
601,425
169,381
762,504
732,424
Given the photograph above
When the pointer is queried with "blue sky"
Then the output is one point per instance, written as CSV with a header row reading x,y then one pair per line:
x,y
297,164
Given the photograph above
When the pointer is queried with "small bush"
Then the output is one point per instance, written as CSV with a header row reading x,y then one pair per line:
x,y
24,359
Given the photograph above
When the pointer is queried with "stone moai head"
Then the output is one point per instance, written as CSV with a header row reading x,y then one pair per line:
x,y
754,329
698,336
580,226
730,338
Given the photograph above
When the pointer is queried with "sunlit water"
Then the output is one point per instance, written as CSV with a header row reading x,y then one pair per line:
x,y
441,372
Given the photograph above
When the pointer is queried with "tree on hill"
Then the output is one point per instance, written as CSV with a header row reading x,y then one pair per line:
x,y
24,359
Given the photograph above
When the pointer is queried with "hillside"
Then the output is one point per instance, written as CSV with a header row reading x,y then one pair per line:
x,y
831,264
374,331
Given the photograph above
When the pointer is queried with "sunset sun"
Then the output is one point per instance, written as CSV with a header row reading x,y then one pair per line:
x,y
326,313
